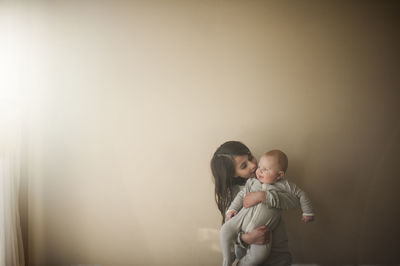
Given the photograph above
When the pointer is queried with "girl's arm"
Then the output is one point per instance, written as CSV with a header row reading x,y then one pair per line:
x,y
274,199
253,198
259,236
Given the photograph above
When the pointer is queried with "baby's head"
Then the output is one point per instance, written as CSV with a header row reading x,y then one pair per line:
x,y
272,167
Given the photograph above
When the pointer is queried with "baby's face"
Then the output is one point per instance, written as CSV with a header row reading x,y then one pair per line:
x,y
268,171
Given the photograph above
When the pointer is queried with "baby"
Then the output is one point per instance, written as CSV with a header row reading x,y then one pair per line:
x,y
270,178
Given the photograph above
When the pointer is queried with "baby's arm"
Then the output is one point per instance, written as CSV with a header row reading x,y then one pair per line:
x,y
230,214
302,199
237,202
282,199
307,219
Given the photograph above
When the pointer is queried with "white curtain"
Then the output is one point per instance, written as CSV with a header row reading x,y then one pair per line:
x,y
11,81
11,247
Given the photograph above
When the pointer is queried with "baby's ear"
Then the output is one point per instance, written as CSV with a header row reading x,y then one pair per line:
x,y
281,174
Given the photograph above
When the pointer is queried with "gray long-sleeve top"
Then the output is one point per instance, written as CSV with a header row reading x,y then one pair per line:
x,y
282,195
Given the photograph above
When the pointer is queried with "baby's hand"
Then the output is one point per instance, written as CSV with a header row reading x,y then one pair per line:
x,y
230,214
307,218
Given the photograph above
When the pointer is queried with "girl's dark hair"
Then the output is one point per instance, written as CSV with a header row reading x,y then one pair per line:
x,y
223,171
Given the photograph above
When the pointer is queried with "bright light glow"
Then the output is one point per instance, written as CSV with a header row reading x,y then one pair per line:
x,y
13,51
19,57
11,69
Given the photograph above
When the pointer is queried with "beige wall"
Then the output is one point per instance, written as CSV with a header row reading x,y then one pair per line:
x,y
133,99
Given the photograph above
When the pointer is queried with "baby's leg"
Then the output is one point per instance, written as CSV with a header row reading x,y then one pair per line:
x,y
229,232
258,254
262,215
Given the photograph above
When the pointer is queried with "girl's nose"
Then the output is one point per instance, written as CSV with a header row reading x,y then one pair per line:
x,y
253,167
256,170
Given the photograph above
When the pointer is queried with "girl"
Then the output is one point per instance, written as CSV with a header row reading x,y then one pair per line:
x,y
232,164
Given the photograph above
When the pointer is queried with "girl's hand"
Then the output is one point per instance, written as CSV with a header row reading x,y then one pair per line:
x,y
253,198
259,236
230,214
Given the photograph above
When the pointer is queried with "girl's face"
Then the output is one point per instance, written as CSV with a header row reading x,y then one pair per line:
x,y
245,165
